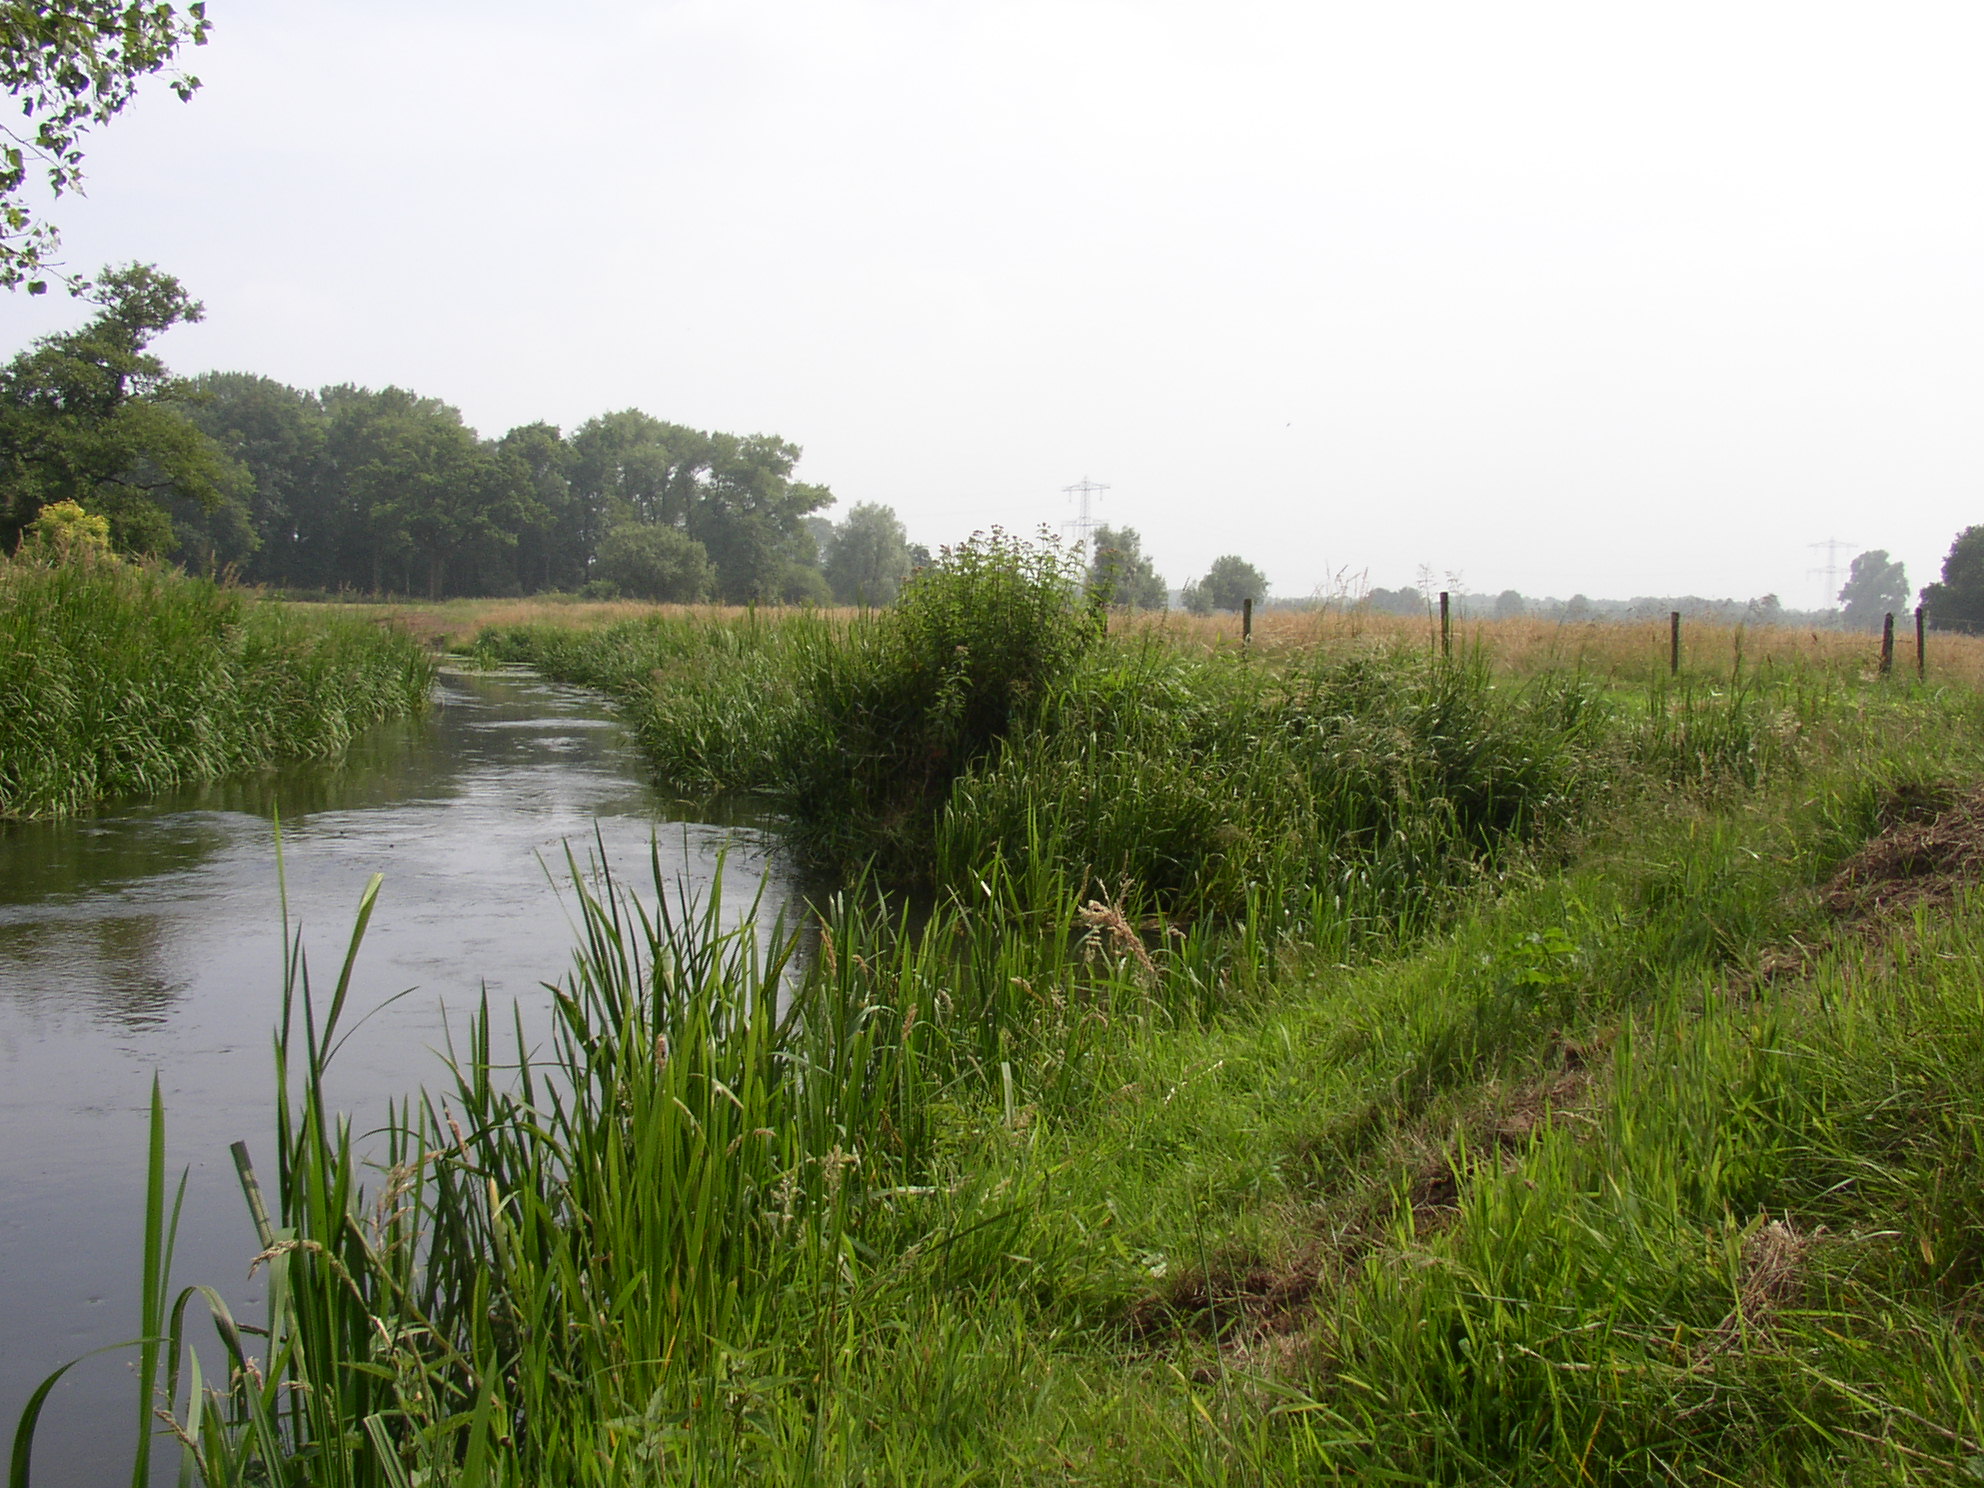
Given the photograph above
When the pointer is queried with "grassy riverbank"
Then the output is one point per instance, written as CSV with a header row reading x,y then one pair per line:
x,y
120,679
1325,1064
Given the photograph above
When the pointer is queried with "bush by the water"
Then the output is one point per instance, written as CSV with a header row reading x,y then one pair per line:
x,y
120,678
986,719
857,729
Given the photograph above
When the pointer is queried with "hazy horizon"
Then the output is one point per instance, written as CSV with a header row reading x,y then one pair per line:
x,y
1542,296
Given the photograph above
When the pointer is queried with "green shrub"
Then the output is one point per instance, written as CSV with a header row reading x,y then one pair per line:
x,y
972,652
645,561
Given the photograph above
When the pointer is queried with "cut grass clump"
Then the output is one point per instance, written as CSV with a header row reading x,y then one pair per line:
x,y
120,679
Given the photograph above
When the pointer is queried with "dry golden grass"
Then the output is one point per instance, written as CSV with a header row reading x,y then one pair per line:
x,y
455,622
1622,651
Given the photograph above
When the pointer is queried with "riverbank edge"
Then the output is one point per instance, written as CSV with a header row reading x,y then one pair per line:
x,y
121,680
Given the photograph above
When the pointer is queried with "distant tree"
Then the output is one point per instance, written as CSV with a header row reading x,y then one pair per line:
x,y
1230,580
821,530
1578,608
868,559
647,561
1956,601
92,416
1510,605
630,466
1121,574
1874,588
418,498
1395,601
802,583
748,511
71,64
275,434
547,554
1766,610
214,536
733,494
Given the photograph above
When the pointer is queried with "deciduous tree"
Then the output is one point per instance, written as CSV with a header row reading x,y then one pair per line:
x,y
1874,589
645,560
868,557
1121,574
1956,601
733,494
276,435
548,554
71,65
1229,581
92,416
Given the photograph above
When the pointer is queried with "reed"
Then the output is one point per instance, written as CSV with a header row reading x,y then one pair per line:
x,y
120,679
985,718
547,1270
1305,1064
1568,1190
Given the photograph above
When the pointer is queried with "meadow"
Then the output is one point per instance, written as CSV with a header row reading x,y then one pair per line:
x,y
120,679
1323,1060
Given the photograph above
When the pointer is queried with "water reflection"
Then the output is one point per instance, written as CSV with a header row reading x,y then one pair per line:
x,y
148,939
113,967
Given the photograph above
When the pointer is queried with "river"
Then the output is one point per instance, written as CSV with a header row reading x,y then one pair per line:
x,y
147,939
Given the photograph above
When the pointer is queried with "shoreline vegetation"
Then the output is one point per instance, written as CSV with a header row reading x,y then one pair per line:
x,y
121,679
1319,1061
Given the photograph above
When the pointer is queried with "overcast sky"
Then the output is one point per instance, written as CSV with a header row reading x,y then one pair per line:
x,y
1566,297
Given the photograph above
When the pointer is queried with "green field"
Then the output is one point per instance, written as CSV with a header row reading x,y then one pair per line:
x,y
1320,1062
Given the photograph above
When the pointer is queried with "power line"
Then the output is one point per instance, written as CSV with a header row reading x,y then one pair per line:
x,y
1832,545
1084,492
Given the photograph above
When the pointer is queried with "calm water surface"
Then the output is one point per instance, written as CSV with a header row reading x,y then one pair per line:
x,y
147,940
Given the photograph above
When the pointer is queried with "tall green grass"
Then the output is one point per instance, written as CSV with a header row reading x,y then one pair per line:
x,y
1567,1193
120,679
1306,1069
554,1268
857,729
984,720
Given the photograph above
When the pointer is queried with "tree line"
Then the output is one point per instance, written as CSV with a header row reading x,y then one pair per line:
x,y
390,491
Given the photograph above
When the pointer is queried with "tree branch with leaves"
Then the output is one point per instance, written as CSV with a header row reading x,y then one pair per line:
x,y
72,65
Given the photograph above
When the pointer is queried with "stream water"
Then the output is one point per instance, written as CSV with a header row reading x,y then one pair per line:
x,y
147,940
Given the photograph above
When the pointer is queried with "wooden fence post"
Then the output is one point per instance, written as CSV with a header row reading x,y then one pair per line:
x,y
1446,625
1247,621
1921,643
1673,643
1887,644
